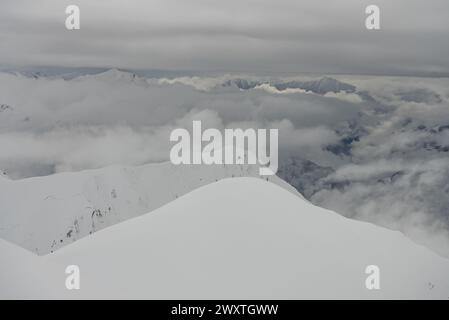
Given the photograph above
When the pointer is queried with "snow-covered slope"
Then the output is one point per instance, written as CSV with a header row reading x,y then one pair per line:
x,y
237,238
115,76
43,214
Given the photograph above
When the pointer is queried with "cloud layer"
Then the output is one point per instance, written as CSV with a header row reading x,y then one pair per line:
x,y
229,36
379,153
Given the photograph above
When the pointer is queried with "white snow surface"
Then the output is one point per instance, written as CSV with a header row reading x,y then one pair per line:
x,y
43,214
239,238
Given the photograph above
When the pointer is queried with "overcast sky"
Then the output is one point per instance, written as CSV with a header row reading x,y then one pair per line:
x,y
229,36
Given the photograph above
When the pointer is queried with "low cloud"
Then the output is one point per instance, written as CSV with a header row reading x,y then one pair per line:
x,y
371,154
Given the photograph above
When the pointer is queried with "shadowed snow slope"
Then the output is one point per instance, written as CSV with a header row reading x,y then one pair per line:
x,y
237,238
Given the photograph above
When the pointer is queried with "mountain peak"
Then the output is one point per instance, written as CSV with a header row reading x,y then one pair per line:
x,y
251,229
119,75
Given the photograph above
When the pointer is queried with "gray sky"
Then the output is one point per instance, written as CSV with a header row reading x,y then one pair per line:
x,y
229,36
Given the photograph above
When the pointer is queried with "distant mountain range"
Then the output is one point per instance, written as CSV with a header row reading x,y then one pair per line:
x,y
389,140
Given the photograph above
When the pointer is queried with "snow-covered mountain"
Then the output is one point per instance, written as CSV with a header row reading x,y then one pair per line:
x,y
115,75
66,73
379,153
237,238
43,214
320,85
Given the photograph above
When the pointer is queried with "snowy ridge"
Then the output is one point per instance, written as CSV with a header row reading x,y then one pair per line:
x,y
240,238
321,85
62,208
115,76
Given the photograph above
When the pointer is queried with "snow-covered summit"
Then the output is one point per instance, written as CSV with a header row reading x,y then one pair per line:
x,y
320,86
116,75
241,238
62,208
